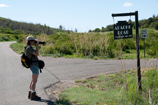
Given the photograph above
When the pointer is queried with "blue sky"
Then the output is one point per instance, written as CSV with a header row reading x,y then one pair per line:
x,y
80,14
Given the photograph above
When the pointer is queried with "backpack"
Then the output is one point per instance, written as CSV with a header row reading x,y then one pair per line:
x,y
26,62
41,65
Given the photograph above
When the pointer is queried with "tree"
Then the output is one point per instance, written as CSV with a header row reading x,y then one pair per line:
x,y
129,21
90,31
104,30
61,27
149,21
97,30
154,16
109,27
75,30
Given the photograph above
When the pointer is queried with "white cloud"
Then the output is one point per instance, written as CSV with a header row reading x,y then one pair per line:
x,y
3,5
127,4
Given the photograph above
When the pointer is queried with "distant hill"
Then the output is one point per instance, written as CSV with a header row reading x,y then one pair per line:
x,y
14,27
151,22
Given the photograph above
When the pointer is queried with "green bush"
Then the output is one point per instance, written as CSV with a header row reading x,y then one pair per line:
x,y
8,31
5,38
66,50
91,55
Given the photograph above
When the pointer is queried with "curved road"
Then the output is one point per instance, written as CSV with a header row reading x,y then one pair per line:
x,y
15,79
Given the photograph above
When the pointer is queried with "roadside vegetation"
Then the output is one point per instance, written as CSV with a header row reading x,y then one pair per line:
x,y
93,45
113,89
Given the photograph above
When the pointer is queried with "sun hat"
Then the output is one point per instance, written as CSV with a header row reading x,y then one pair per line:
x,y
30,38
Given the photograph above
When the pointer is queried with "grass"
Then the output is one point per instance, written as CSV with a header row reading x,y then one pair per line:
x,y
114,89
132,54
129,54
18,47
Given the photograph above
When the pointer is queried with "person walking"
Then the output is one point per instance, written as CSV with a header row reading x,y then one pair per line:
x,y
32,54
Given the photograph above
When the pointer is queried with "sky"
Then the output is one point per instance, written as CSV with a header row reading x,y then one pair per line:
x,y
80,14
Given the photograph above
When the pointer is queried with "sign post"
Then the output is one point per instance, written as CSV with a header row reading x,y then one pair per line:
x,y
144,35
137,42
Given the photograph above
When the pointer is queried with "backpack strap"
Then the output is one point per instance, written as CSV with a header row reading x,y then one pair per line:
x,y
40,70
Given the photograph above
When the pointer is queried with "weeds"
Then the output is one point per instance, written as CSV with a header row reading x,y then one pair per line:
x,y
118,88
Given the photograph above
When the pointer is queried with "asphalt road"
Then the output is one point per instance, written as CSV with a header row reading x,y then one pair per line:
x,y
15,79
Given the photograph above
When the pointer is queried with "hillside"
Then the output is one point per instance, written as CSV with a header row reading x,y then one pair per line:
x,y
151,23
9,26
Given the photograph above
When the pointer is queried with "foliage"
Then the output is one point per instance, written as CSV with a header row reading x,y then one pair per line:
x,y
119,88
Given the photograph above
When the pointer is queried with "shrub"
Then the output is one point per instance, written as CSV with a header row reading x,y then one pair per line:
x,y
111,52
5,38
8,31
91,55
66,50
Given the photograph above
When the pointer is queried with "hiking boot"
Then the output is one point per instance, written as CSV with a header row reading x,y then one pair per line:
x,y
34,96
29,94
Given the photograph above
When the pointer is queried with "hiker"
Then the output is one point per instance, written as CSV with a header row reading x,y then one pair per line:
x,y
32,54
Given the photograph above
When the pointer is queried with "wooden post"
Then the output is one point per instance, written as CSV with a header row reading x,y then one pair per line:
x,y
137,46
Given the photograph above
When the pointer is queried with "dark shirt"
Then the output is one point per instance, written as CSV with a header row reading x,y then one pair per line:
x,y
28,51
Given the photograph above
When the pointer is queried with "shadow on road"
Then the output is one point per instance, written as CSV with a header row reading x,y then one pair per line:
x,y
46,101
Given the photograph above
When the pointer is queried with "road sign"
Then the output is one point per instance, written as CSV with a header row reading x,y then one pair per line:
x,y
143,33
122,30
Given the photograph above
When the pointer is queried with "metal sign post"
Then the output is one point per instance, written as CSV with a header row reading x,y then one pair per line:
x,y
137,42
144,47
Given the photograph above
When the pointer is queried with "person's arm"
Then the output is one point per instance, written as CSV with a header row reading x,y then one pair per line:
x,y
36,51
